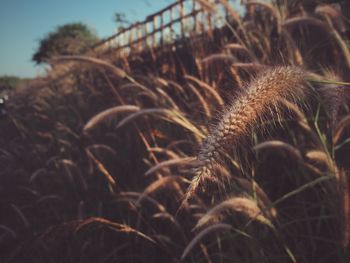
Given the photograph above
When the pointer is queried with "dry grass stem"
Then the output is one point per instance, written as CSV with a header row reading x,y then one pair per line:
x,y
237,120
109,113
242,205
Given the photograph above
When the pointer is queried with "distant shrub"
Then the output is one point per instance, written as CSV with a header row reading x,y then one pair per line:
x,y
69,39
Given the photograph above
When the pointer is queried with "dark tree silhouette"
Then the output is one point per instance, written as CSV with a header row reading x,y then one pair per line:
x,y
69,39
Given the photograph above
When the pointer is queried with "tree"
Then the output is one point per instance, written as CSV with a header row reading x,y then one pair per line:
x,y
69,39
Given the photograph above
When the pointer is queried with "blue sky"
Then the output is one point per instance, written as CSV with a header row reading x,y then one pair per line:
x,y
24,22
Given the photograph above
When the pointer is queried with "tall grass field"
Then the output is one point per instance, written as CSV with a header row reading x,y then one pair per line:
x,y
230,145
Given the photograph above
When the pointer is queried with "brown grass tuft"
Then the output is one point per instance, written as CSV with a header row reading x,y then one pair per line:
x,y
334,96
107,114
204,232
343,188
294,152
242,205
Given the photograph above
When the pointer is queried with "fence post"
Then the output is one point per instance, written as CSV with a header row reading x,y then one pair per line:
x,y
154,22
181,18
210,29
162,29
194,16
147,33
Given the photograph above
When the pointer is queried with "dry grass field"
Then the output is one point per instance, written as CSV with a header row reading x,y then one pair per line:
x,y
229,146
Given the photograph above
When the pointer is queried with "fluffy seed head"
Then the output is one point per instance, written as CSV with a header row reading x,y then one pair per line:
x,y
242,205
334,96
256,101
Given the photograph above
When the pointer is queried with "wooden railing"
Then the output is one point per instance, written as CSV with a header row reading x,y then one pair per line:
x,y
180,19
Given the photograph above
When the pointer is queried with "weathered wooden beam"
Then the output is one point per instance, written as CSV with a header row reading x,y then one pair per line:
x,y
162,31
139,36
147,36
209,23
194,16
154,28
182,10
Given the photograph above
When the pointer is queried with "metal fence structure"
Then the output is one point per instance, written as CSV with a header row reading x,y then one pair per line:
x,y
182,18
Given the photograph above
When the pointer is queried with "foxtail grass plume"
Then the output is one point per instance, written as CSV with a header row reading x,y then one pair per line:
x,y
258,100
